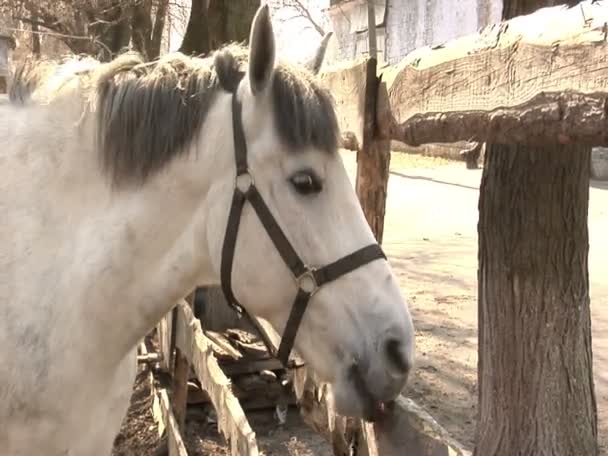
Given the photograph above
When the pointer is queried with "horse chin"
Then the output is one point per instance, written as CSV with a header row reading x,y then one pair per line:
x,y
352,399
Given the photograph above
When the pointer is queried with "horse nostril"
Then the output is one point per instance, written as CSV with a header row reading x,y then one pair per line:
x,y
398,360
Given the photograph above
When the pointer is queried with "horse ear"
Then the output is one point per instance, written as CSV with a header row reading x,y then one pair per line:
x,y
315,63
261,50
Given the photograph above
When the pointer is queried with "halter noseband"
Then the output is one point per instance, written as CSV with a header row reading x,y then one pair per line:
x,y
308,279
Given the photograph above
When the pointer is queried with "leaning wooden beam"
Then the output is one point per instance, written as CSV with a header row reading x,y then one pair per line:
x,y
536,79
163,415
194,345
181,374
163,329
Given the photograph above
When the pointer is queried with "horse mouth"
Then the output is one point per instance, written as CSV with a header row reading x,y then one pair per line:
x,y
373,409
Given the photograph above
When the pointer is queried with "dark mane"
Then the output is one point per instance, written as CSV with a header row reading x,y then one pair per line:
x,y
149,112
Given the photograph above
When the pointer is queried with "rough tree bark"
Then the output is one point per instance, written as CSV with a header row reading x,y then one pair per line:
x,y
230,21
513,8
35,36
113,30
213,23
536,393
196,38
373,161
147,33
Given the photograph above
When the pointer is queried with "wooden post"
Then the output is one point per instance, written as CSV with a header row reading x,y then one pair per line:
x,y
373,159
181,374
196,347
371,29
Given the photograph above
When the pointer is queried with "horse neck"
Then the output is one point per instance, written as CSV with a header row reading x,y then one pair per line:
x,y
147,247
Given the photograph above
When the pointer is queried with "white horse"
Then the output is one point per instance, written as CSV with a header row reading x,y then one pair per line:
x,y
115,186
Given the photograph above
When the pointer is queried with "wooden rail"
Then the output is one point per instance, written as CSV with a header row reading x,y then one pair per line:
x,y
194,345
538,79
406,427
196,348
167,424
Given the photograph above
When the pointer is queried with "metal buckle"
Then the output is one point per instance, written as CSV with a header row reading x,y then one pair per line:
x,y
244,182
307,282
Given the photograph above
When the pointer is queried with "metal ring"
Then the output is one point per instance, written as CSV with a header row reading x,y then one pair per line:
x,y
244,181
307,282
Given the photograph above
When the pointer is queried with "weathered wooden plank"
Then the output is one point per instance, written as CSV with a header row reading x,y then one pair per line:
x,y
316,408
272,340
536,79
246,366
347,84
181,373
194,345
408,429
163,329
224,344
166,421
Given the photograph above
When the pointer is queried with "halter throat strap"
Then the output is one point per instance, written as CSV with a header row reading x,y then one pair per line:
x,y
307,279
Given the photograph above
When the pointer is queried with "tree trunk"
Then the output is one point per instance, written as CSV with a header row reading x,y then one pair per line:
x,y
35,36
113,31
536,393
196,38
513,8
230,21
159,27
147,35
214,23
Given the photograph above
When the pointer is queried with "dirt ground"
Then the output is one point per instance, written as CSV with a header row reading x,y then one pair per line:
x,y
139,432
293,438
431,239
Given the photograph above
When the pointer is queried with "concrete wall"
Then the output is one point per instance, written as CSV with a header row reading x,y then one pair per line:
x,y
411,24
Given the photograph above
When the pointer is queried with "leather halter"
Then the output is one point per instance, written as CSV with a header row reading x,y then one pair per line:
x,y
308,279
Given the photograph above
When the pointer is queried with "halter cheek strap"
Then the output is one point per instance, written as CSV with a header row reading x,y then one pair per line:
x,y
308,279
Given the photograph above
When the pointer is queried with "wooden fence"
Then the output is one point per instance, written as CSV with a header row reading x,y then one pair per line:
x,y
538,79
411,428
190,342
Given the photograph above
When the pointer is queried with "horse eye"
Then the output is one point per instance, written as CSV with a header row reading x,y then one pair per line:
x,y
306,182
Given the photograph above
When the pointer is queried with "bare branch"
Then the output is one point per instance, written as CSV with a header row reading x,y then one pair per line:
x,y
304,11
